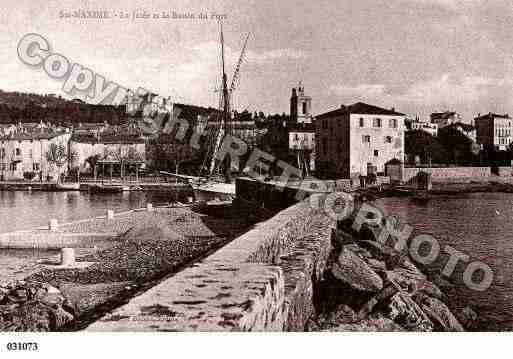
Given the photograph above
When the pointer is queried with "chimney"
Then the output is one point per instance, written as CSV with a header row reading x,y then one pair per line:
x,y
392,109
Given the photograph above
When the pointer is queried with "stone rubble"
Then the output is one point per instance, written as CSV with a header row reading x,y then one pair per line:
x,y
369,286
33,306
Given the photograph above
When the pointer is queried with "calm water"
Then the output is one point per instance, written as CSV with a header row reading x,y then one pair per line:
x,y
479,225
26,210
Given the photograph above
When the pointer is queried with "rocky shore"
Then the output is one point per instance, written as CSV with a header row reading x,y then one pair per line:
x,y
368,286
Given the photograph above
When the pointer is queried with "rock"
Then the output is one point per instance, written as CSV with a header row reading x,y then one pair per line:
x,y
375,323
440,315
356,249
378,250
376,265
439,281
343,314
405,312
430,289
344,237
390,290
469,318
369,232
407,280
17,296
353,271
60,317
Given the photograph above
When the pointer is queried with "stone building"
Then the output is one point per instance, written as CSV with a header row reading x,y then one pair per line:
x,y
493,130
115,146
446,118
357,140
431,128
301,130
24,151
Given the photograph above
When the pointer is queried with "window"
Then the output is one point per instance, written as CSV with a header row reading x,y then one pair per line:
x,y
324,124
18,152
392,123
35,166
366,139
388,139
304,108
324,146
30,153
376,153
376,122
296,136
2,152
362,123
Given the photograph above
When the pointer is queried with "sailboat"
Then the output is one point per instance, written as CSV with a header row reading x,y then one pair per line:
x,y
217,183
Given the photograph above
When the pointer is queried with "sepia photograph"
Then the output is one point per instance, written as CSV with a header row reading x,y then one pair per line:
x,y
316,167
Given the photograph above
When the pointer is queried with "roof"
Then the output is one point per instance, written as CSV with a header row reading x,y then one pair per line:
x,y
108,139
443,115
492,115
46,135
361,108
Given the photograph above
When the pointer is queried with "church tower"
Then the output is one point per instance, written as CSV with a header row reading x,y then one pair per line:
x,y
300,106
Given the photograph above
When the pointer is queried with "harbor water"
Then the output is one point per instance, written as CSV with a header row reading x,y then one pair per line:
x,y
479,225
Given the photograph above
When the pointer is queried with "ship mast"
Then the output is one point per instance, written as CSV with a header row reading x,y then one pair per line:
x,y
225,116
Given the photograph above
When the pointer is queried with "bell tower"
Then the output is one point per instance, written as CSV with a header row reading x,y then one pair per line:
x,y
300,106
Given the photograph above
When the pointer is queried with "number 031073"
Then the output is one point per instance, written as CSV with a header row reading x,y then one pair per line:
x,y
22,346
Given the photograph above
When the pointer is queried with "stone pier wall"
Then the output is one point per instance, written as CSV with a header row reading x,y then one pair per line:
x,y
444,173
262,281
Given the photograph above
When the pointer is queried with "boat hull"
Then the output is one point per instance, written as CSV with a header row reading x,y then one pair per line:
x,y
214,191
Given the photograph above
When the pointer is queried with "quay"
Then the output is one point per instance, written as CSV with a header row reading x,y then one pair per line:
x,y
86,186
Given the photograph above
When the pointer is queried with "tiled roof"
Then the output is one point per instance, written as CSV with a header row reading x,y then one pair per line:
x,y
491,115
361,108
47,135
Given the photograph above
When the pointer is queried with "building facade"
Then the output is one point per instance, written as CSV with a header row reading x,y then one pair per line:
x,y
446,118
301,130
431,128
493,130
300,106
24,152
358,140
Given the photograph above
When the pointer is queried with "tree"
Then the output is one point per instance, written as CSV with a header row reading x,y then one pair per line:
x,y
57,156
426,147
458,147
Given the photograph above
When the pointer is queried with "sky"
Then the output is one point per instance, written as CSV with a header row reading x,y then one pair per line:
x,y
418,56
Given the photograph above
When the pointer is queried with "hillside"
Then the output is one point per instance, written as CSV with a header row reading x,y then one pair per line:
x,y
29,107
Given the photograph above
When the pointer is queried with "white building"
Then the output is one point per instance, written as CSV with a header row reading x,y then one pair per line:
x,y
24,152
494,130
431,128
357,140
301,130
446,118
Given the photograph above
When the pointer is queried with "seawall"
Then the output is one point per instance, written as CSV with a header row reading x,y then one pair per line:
x,y
264,280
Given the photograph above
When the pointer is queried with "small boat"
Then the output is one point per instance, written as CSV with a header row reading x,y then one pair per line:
x,y
67,187
107,189
214,191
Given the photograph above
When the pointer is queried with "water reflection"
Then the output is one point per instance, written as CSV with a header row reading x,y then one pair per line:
x,y
25,210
